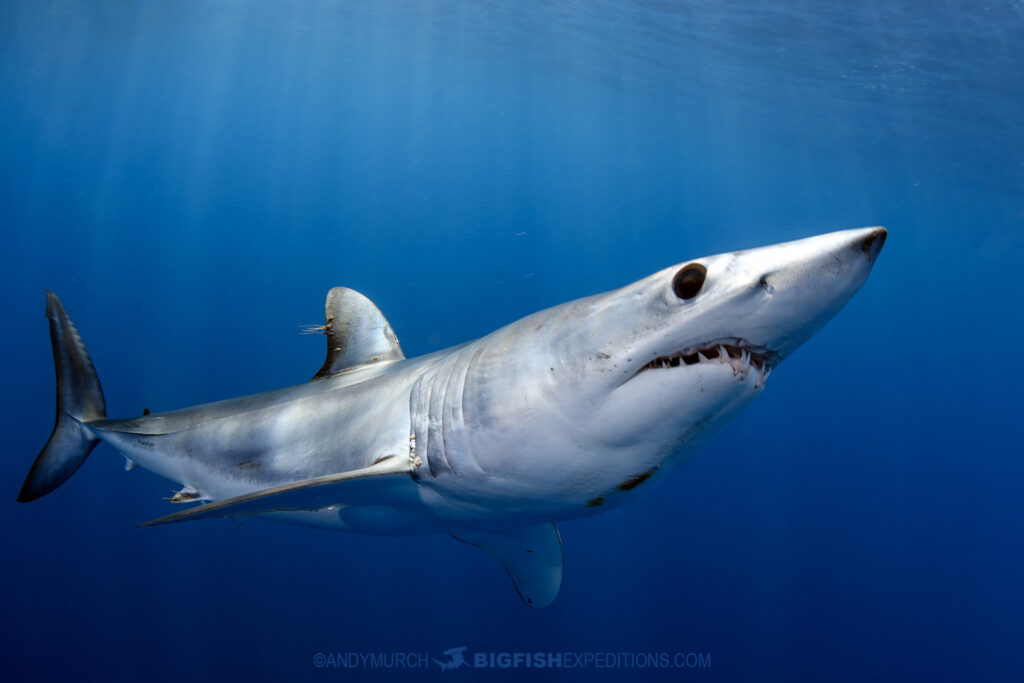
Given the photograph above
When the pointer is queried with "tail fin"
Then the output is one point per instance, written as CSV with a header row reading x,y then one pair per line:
x,y
79,400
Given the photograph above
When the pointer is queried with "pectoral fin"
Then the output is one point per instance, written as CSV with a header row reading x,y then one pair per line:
x,y
307,495
532,556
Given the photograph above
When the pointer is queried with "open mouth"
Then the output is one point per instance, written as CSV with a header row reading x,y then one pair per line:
x,y
738,353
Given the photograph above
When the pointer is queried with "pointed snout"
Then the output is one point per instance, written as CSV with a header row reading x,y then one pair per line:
x,y
845,246
810,280
871,244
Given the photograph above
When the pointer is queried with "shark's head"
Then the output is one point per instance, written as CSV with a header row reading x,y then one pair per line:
x,y
692,344
626,380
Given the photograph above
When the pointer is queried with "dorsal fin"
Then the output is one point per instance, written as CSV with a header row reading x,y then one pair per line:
x,y
357,333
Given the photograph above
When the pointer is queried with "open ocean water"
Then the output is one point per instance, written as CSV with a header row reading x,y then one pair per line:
x,y
192,177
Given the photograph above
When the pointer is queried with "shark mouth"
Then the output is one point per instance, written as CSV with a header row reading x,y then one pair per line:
x,y
738,353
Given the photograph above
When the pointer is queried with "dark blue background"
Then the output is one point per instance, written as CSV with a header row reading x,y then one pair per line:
x,y
191,177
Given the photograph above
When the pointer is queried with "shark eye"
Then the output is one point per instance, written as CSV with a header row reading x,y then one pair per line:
x,y
688,281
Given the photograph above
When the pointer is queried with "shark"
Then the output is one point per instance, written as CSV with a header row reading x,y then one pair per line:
x,y
569,412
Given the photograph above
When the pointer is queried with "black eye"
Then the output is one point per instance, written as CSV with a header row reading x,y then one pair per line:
x,y
688,281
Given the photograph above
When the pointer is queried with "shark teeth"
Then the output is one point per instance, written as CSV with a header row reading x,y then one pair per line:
x,y
737,353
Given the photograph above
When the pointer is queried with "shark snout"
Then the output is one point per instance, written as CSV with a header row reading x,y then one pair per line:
x,y
849,248
812,279
872,243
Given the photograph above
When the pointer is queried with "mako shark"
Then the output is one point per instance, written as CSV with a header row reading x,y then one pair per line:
x,y
566,413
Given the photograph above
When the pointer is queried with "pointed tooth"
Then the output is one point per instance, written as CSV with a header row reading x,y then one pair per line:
x,y
701,358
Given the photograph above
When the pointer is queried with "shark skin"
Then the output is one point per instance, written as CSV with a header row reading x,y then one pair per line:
x,y
566,413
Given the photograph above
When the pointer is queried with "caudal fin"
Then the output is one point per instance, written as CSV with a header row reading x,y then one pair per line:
x,y
79,400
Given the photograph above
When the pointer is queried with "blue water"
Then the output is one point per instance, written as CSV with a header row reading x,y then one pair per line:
x,y
191,177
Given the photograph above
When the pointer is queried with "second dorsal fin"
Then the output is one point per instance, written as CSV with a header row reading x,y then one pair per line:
x,y
357,333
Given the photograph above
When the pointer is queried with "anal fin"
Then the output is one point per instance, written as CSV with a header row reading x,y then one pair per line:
x,y
532,556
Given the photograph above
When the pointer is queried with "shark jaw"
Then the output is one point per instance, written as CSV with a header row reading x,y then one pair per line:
x,y
740,355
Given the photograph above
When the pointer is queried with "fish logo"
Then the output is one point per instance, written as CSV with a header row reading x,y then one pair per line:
x,y
455,661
